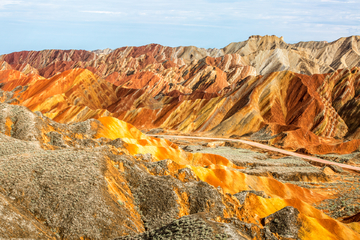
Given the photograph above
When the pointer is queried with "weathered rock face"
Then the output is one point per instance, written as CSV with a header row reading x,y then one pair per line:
x,y
270,53
102,179
294,111
196,90
284,222
264,53
90,175
59,193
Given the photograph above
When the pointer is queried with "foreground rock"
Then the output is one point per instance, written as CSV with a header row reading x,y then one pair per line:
x,y
81,181
285,223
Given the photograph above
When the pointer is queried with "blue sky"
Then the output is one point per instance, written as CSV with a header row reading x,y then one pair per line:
x,y
90,24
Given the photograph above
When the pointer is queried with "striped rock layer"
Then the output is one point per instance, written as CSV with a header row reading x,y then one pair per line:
x,y
96,180
265,54
314,113
194,90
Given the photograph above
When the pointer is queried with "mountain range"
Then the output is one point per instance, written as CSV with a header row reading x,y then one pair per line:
x,y
76,165
203,91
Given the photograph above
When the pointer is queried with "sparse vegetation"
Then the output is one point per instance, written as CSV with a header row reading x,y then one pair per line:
x,y
85,187
189,227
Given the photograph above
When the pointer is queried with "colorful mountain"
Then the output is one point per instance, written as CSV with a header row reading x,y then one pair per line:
x,y
74,164
105,179
315,114
265,54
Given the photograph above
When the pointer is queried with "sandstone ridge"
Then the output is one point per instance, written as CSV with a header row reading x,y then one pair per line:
x,y
264,53
215,96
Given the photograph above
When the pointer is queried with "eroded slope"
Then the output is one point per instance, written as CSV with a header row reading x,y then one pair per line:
x,y
96,179
314,113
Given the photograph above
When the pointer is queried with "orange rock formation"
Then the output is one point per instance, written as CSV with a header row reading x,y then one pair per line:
x,y
306,99
314,113
195,90
220,173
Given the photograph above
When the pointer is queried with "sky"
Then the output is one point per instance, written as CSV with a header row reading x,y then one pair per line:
x,y
90,24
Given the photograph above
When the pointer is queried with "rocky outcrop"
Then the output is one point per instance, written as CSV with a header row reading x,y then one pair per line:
x,y
293,111
265,54
284,222
193,90
70,168
127,185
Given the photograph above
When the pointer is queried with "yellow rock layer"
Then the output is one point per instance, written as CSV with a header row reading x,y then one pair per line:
x,y
219,172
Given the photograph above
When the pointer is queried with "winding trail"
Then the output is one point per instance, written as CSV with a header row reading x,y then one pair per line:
x,y
263,146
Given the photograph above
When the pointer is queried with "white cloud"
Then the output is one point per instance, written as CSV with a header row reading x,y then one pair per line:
x,y
4,3
337,1
206,26
104,12
177,21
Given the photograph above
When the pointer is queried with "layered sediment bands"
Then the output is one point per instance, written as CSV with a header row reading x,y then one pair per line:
x,y
295,111
96,180
220,173
341,53
10,79
270,53
298,110
122,60
78,93
265,54
48,62
196,90
208,74
74,165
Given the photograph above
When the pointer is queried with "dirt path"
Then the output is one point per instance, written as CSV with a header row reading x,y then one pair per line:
x,y
263,146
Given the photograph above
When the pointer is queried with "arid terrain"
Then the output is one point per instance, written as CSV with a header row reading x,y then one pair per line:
x,y
91,147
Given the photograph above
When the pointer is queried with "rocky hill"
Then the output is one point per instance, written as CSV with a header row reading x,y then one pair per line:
x,y
265,54
104,179
75,166
315,114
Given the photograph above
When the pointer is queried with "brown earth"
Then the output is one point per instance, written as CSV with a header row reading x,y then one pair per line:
x,y
71,168
105,179
313,114
266,54
193,90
